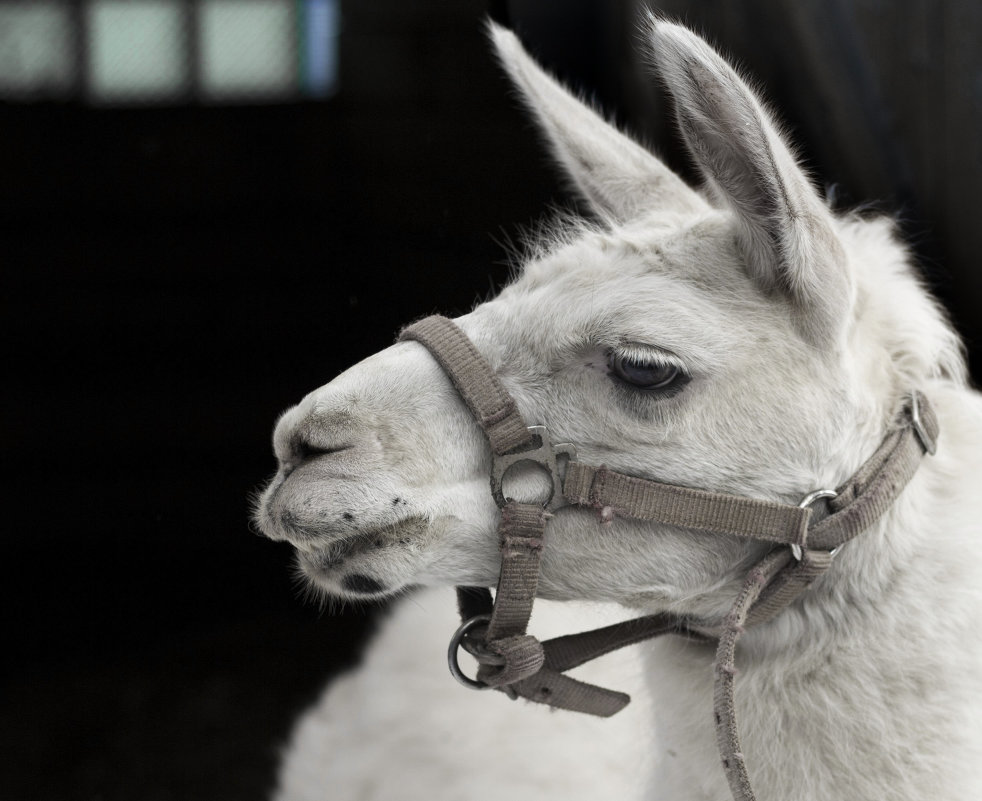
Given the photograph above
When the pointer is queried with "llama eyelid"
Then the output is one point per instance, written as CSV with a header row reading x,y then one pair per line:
x,y
635,352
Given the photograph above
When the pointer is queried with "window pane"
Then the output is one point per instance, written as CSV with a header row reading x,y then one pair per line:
x,y
37,50
248,48
320,27
136,50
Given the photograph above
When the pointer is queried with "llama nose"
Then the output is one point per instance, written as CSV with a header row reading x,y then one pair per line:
x,y
316,429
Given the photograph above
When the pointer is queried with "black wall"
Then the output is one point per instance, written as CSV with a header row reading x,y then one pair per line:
x,y
172,278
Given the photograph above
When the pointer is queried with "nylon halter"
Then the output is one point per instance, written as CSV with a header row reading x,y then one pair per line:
x,y
495,631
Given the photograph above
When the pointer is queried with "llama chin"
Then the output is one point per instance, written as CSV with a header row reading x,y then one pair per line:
x,y
366,564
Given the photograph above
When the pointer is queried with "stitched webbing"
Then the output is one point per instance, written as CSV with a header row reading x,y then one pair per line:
x,y
671,505
489,402
521,532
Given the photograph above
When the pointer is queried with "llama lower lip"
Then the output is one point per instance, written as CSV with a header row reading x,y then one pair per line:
x,y
329,557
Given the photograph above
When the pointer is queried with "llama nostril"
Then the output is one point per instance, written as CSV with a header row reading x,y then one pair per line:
x,y
305,450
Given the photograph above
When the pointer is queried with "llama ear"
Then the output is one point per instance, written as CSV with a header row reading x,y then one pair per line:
x,y
618,177
786,230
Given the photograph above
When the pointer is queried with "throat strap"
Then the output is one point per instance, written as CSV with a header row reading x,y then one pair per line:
x,y
549,685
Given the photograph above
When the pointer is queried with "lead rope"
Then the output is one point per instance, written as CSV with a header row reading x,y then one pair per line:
x,y
724,707
495,632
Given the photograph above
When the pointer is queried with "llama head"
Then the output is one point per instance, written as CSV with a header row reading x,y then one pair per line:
x,y
709,339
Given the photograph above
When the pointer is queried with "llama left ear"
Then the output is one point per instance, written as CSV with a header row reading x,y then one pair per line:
x,y
617,177
786,230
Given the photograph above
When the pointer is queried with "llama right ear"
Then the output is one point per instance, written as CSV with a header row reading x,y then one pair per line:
x,y
618,177
785,230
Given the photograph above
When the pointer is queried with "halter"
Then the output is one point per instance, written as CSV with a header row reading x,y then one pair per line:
x,y
495,632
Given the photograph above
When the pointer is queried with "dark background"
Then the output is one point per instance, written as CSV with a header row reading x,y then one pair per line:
x,y
173,278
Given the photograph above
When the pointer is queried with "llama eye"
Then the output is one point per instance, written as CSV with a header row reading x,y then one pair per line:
x,y
645,373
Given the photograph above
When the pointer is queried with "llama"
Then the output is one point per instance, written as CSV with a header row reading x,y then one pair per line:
x,y
739,339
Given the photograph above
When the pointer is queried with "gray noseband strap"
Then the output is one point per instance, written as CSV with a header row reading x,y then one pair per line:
x,y
490,403
518,664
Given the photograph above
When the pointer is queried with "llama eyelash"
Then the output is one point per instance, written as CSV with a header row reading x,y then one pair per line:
x,y
637,352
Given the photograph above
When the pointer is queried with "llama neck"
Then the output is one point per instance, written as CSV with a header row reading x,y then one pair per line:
x,y
859,686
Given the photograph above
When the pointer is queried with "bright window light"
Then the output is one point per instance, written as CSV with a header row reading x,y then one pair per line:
x,y
37,56
136,50
248,48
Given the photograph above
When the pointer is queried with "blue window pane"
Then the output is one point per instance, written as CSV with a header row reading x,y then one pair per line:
x,y
319,29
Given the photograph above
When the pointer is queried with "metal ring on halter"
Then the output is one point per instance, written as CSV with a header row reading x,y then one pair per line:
x,y
455,642
807,501
541,452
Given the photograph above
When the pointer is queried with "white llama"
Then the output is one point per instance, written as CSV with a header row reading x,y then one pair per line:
x,y
739,340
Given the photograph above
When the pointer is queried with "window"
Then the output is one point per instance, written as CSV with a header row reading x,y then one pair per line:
x,y
138,52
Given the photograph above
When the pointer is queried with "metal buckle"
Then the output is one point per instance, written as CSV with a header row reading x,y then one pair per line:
x,y
918,425
807,501
455,643
541,452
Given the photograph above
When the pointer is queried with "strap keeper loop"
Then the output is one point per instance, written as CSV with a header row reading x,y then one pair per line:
x,y
523,655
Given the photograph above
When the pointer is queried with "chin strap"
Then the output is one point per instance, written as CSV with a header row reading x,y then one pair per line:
x,y
495,632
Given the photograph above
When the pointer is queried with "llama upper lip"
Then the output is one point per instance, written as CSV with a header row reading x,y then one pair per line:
x,y
323,555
